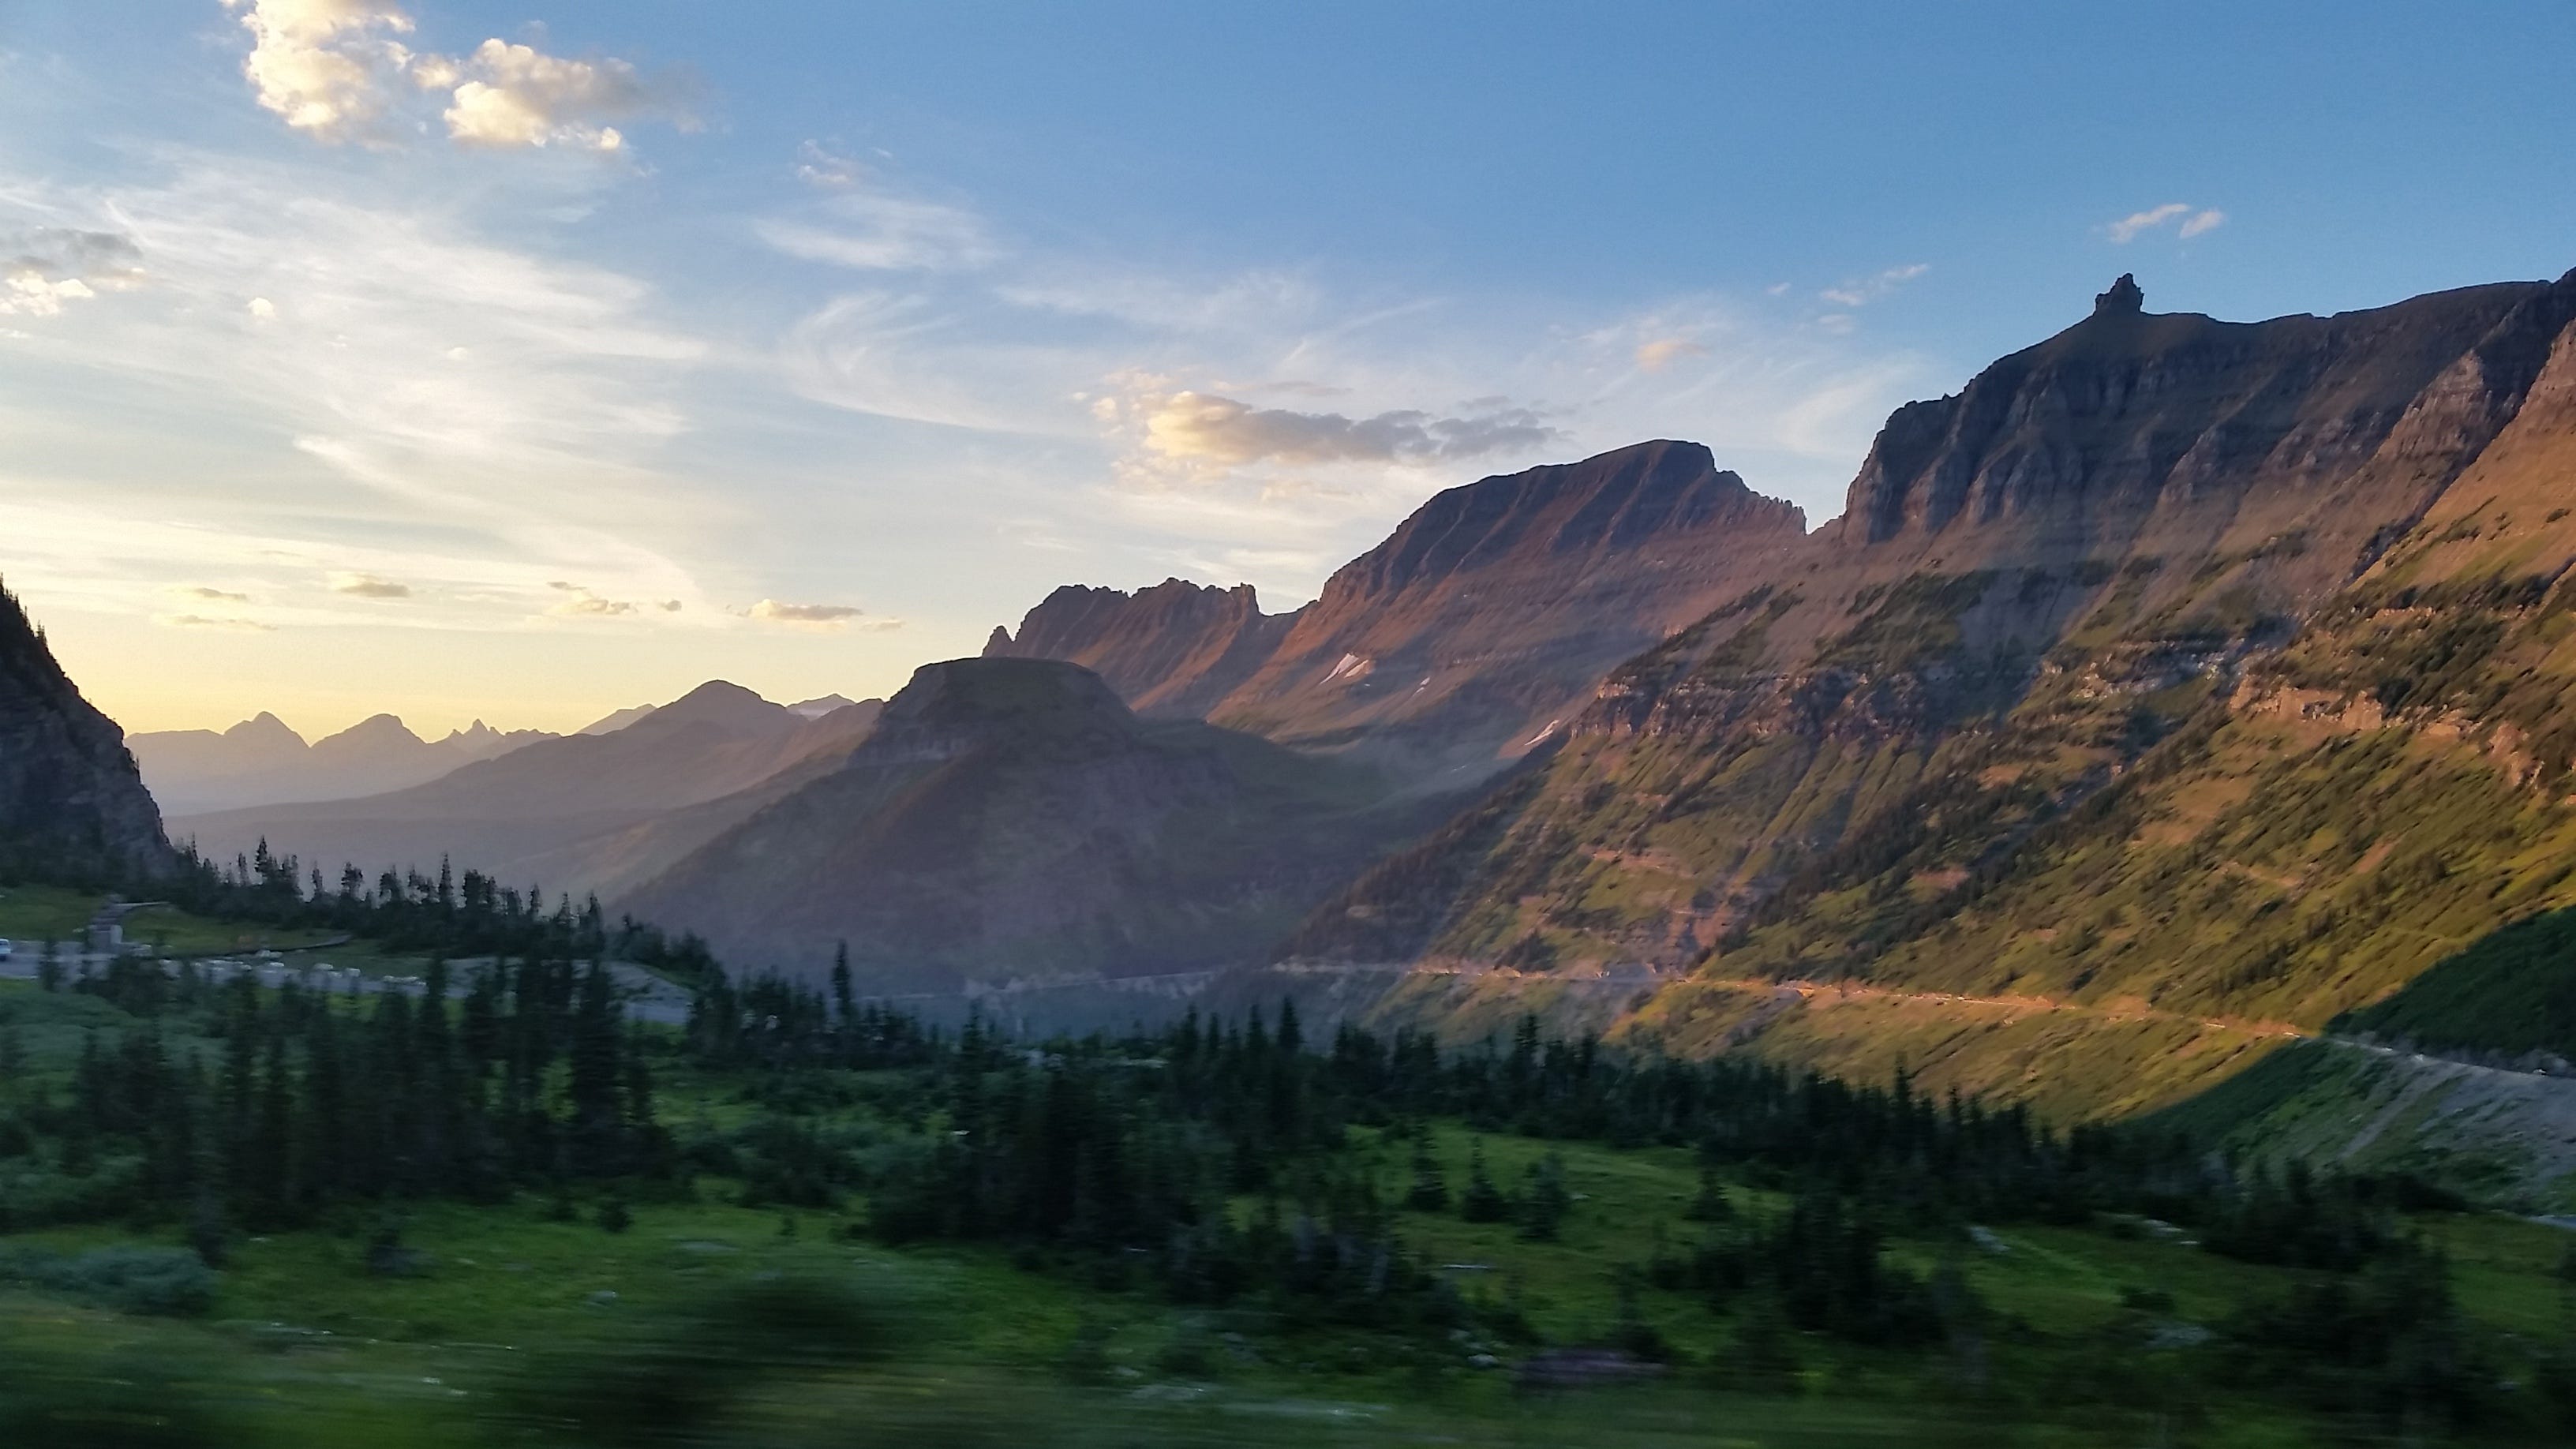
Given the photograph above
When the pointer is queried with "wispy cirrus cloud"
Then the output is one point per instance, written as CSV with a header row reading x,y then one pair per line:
x,y
1861,291
202,621
368,586
869,232
2187,221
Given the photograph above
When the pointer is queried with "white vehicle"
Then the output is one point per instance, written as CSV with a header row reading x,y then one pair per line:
x,y
4,948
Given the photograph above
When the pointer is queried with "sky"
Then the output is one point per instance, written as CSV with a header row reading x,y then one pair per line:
x,y
522,361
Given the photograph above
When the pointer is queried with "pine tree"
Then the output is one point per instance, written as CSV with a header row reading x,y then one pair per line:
x,y
1544,1205
1482,1202
1711,1205
1430,1191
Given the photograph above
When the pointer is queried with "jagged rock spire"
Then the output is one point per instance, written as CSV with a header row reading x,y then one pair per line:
x,y
2125,299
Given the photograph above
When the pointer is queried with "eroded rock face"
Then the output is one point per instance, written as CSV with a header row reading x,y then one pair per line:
x,y
1172,650
70,797
2034,580
1482,622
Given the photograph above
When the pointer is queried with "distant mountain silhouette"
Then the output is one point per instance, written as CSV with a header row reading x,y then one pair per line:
x,y
262,762
577,813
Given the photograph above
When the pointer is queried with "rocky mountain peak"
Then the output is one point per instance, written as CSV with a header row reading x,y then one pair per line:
x,y
264,728
2125,299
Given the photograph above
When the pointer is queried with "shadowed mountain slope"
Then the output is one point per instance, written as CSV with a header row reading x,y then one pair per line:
x,y
70,798
1012,819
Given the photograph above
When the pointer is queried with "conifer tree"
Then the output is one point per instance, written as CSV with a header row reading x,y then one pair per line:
x,y
1482,1202
1430,1191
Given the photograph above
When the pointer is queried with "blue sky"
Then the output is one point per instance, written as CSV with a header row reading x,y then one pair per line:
x,y
528,360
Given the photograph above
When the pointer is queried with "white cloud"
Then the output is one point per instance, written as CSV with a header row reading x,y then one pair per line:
x,y
2194,222
332,70
823,168
43,268
322,65
516,95
1861,291
212,595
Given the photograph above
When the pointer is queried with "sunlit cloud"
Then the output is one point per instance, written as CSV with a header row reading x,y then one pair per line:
x,y
1663,352
46,267
1205,429
2201,222
515,95
212,595
817,616
333,70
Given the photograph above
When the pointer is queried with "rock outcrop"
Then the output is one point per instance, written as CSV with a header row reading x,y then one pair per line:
x,y
71,801
1477,629
1174,650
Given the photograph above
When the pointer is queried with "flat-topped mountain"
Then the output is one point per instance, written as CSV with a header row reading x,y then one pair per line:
x,y
70,797
1013,819
1482,622
263,762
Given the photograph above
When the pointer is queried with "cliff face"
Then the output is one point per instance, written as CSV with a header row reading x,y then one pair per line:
x,y
1478,627
2076,742
1173,650
1012,819
70,798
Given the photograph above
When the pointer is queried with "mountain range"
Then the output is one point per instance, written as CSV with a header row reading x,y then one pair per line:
x,y
2172,717
262,762
580,813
